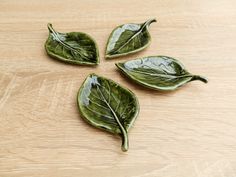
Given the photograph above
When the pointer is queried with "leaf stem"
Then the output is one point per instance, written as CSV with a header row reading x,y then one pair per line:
x,y
148,22
50,28
200,78
125,140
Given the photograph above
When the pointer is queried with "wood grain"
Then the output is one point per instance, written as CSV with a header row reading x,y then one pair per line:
x,y
186,133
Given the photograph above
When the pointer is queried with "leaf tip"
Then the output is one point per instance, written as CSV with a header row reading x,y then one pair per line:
x,y
50,27
200,78
125,147
152,20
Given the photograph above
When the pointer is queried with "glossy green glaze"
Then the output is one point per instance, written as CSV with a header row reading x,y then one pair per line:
x,y
108,106
128,38
75,47
158,72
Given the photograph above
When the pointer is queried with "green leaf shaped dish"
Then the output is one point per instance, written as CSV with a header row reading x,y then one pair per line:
x,y
158,72
128,38
106,105
74,47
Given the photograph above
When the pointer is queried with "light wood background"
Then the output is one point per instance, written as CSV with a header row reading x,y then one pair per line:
x,y
190,132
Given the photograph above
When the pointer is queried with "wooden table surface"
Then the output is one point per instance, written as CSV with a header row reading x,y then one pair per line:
x,y
190,132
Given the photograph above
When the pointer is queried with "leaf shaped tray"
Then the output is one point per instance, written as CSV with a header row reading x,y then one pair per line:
x,y
158,72
74,47
128,38
106,105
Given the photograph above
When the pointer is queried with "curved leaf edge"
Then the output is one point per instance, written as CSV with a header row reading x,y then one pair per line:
x,y
107,56
191,77
58,57
125,145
